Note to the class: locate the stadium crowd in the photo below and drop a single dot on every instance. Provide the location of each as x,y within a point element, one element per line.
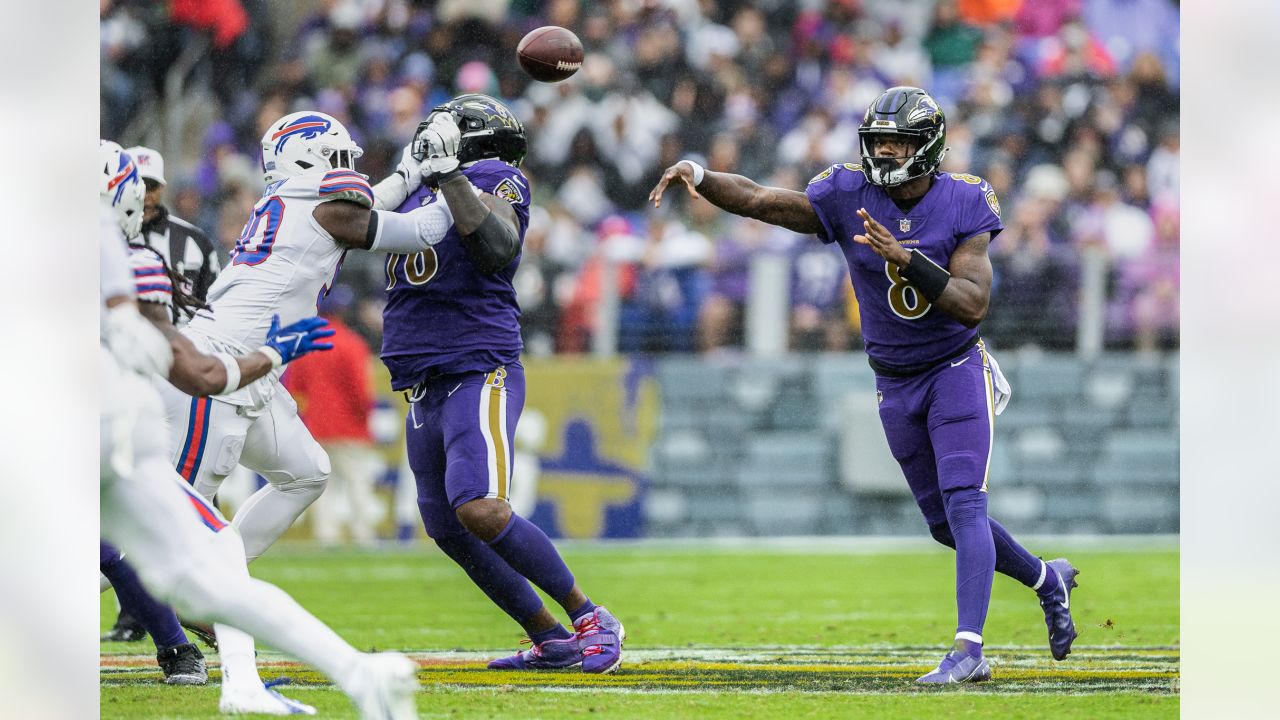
<point>1068,107</point>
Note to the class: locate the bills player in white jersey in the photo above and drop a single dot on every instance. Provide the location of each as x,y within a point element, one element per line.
<point>315,207</point>
<point>184,550</point>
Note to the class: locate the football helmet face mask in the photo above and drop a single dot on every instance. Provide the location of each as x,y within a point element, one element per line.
<point>306,142</point>
<point>120,187</point>
<point>908,113</point>
<point>489,130</point>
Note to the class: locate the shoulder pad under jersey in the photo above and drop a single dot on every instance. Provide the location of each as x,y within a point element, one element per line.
<point>333,185</point>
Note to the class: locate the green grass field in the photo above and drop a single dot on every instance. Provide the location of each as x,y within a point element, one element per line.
<point>811,631</point>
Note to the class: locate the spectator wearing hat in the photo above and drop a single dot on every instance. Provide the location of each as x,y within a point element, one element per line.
<point>186,249</point>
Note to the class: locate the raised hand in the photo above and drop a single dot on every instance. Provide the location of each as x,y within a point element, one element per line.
<point>438,144</point>
<point>681,172</point>
<point>408,167</point>
<point>298,339</point>
<point>881,240</point>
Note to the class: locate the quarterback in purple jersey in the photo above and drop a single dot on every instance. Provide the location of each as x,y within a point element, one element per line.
<point>452,340</point>
<point>915,240</point>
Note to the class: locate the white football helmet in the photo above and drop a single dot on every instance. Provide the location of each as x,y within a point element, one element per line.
<point>120,187</point>
<point>305,142</point>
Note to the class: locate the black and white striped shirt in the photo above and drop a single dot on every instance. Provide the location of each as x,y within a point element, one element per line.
<point>186,249</point>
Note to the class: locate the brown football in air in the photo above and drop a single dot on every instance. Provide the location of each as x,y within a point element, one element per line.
<point>550,53</point>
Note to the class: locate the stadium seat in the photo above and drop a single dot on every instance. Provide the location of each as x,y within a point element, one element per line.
<point>1038,446</point>
<point>1139,509</point>
<point>1050,377</point>
<point>1016,505</point>
<point>691,382</point>
<point>785,512</point>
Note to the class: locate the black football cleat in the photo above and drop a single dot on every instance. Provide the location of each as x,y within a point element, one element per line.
<point>126,629</point>
<point>183,665</point>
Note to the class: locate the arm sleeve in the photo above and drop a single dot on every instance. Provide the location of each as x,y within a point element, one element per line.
<point>411,232</point>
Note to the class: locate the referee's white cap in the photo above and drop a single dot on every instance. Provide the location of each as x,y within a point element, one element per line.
<point>150,163</point>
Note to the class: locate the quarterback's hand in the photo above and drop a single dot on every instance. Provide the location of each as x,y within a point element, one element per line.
<point>293,341</point>
<point>439,142</point>
<point>680,173</point>
<point>881,240</point>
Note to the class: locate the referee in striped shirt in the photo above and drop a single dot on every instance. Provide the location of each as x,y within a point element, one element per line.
<point>186,249</point>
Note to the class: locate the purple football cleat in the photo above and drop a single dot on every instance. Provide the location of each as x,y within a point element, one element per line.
<point>958,667</point>
<point>600,637</point>
<point>550,655</point>
<point>1057,609</point>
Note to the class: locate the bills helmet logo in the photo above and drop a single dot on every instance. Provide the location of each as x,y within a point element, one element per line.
<point>308,126</point>
<point>125,174</point>
<point>904,225</point>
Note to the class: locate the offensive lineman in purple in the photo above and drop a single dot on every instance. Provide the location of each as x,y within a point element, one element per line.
<point>452,337</point>
<point>915,240</point>
<point>437,289</point>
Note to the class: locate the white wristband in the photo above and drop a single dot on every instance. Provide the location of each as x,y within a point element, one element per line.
<point>699,172</point>
<point>273,355</point>
<point>233,372</point>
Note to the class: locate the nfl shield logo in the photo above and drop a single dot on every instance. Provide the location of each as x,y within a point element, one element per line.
<point>904,225</point>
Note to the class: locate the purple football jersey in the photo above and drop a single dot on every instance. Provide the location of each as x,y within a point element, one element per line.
<point>900,327</point>
<point>443,315</point>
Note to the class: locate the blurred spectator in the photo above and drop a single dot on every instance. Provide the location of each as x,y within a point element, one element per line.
<point>334,392</point>
<point>670,288</point>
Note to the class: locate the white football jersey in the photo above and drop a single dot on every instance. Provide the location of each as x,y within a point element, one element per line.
<point>282,264</point>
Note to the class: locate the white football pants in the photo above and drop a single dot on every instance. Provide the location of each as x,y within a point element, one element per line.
<point>165,529</point>
<point>210,437</point>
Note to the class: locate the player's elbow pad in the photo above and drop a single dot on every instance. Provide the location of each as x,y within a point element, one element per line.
<point>493,245</point>
<point>410,232</point>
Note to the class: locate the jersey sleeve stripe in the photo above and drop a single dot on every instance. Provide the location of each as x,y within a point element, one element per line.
<point>340,187</point>
<point>149,271</point>
<point>163,289</point>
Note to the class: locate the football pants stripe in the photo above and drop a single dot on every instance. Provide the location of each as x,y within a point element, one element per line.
<point>989,381</point>
<point>197,437</point>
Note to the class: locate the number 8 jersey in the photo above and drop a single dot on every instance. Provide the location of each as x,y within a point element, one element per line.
<point>282,264</point>
<point>897,323</point>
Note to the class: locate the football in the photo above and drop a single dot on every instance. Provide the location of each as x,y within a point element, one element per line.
<point>550,53</point>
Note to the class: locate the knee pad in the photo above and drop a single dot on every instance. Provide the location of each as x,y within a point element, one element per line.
<point>313,481</point>
<point>963,469</point>
<point>965,506</point>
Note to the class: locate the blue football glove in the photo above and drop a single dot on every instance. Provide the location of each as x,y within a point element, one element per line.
<point>293,341</point>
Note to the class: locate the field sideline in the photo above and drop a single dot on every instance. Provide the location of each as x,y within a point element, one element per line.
<point>809,628</point>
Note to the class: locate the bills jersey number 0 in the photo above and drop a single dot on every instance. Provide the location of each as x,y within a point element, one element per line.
<point>259,234</point>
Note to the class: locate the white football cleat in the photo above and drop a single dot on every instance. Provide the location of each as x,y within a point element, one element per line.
<point>261,700</point>
<point>383,687</point>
